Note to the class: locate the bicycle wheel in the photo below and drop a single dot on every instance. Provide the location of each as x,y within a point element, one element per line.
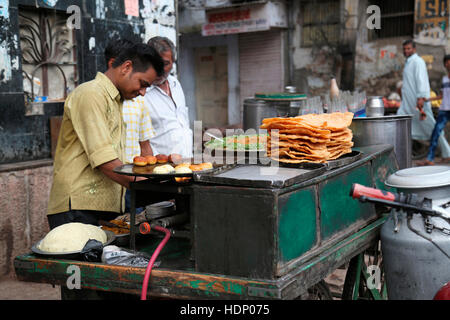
<point>319,291</point>
<point>364,279</point>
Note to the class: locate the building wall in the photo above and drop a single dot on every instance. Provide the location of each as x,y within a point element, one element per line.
<point>188,43</point>
<point>378,64</point>
<point>25,143</point>
<point>313,65</point>
<point>23,202</point>
<point>25,138</point>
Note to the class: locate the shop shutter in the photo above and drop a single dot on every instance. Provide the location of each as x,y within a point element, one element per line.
<point>261,66</point>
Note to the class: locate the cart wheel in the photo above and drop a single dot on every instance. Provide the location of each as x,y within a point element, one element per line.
<point>365,277</point>
<point>319,291</point>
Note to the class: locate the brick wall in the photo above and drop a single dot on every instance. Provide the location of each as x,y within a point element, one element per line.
<point>23,207</point>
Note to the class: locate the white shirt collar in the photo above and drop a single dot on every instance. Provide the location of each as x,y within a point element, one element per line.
<point>172,83</point>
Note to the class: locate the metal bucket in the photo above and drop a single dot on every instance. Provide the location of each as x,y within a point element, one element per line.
<point>393,130</point>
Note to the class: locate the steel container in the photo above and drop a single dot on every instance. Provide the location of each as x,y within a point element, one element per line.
<point>375,107</point>
<point>393,130</point>
<point>255,111</point>
<point>415,267</point>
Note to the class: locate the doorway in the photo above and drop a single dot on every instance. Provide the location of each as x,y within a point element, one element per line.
<point>211,85</point>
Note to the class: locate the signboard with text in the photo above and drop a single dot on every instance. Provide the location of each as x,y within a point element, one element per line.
<point>431,22</point>
<point>241,19</point>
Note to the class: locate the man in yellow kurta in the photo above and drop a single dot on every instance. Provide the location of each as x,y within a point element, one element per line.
<point>91,142</point>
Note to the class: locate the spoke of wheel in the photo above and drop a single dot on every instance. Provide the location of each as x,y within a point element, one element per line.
<point>358,277</point>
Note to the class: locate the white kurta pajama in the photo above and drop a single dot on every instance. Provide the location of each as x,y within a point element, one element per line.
<point>416,85</point>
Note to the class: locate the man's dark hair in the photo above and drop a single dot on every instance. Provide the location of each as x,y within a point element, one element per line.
<point>446,58</point>
<point>162,44</point>
<point>142,56</point>
<point>114,48</point>
<point>409,41</point>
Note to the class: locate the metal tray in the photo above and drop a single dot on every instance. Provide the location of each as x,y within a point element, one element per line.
<point>332,164</point>
<point>110,237</point>
<point>261,176</point>
<point>344,160</point>
<point>147,171</point>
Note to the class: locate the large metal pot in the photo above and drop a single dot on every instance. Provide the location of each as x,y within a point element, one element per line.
<point>393,130</point>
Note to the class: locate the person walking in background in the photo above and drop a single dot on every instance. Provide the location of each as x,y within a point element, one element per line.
<point>443,115</point>
<point>415,98</point>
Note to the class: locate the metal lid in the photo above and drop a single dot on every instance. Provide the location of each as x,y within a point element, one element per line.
<point>280,96</point>
<point>420,177</point>
<point>254,102</point>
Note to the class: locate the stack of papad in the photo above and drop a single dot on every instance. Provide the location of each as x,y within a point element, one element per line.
<point>316,138</point>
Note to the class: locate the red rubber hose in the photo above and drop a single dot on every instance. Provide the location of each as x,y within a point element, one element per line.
<point>148,271</point>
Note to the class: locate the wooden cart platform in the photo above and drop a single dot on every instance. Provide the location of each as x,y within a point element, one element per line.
<point>184,283</point>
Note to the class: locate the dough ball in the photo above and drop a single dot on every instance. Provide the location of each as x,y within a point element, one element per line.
<point>71,237</point>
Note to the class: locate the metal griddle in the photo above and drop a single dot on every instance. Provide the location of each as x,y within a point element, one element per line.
<point>260,176</point>
<point>280,176</point>
<point>344,160</point>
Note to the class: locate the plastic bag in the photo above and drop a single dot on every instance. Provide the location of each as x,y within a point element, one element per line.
<point>122,257</point>
<point>92,251</point>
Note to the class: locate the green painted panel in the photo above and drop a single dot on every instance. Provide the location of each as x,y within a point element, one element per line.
<point>338,209</point>
<point>297,224</point>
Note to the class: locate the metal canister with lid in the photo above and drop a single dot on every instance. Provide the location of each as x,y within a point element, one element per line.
<point>415,247</point>
<point>375,107</point>
<point>271,105</point>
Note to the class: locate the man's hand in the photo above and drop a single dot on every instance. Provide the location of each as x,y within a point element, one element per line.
<point>420,104</point>
<point>107,169</point>
<point>146,149</point>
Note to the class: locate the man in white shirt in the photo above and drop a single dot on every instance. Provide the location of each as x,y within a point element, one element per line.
<point>167,107</point>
